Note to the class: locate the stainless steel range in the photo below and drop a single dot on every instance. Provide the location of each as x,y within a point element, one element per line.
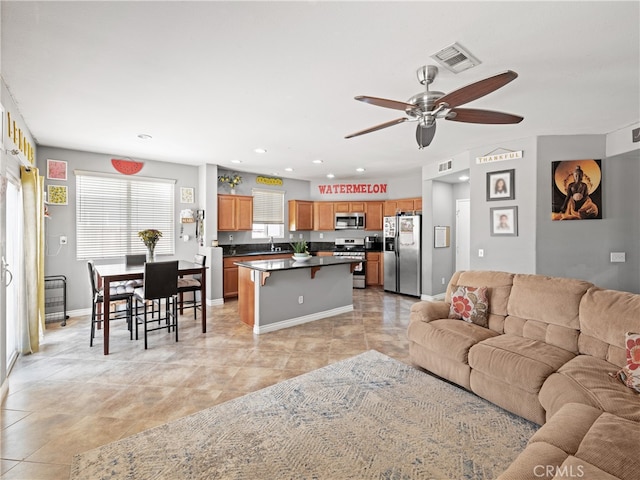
<point>353,248</point>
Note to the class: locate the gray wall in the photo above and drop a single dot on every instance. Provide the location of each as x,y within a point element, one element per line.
<point>61,259</point>
<point>581,249</point>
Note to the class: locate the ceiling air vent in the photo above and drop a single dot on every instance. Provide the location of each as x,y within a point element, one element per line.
<point>445,166</point>
<point>455,58</point>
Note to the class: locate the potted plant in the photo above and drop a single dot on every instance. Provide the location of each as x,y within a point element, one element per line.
<point>232,180</point>
<point>300,251</point>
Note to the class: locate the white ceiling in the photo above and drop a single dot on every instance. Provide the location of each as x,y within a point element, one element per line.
<point>211,81</point>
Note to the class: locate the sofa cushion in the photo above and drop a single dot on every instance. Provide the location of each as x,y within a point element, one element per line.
<point>448,338</point>
<point>551,300</point>
<point>605,317</point>
<point>521,362</point>
<point>579,442</point>
<point>588,380</point>
<point>470,304</point>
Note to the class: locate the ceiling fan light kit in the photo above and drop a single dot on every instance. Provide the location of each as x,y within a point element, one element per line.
<point>428,106</point>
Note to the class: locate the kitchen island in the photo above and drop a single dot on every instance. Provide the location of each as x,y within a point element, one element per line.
<point>280,293</point>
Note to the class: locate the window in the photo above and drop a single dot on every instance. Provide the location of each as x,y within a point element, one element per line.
<point>111,210</point>
<point>268,213</point>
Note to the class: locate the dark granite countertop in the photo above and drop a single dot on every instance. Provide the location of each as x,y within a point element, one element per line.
<point>290,264</point>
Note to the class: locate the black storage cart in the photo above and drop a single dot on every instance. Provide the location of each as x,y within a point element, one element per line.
<point>55,299</point>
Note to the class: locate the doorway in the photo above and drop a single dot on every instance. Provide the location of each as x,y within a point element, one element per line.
<point>463,234</point>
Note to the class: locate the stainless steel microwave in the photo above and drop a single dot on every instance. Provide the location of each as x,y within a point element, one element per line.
<point>349,221</point>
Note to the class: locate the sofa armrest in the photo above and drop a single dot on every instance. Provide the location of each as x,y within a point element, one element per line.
<point>429,311</point>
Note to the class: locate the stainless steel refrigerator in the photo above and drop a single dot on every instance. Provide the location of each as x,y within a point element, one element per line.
<point>402,254</point>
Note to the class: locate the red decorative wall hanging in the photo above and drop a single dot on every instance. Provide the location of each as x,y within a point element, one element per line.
<point>127,167</point>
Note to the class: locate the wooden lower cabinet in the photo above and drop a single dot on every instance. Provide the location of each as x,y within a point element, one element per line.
<point>230,271</point>
<point>374,274</point>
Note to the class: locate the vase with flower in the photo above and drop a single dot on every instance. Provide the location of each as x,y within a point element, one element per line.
<point>230,180</point>
<point>150,238</point>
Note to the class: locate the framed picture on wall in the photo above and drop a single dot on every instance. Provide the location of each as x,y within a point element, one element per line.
<point>576,190</point>
<point>57,194</point>
<point>56,170</point>
<point>504,222</point>
<point>186,195</point>
<point>501,185</point>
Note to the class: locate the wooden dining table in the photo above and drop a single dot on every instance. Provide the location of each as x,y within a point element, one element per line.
<point>119,272</point>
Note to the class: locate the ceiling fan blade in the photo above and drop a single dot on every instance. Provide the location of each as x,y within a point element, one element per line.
<point>476,90</point>
<point>472,115</point>
<point>379,127</point>
<point>383,102</point>
<point>424,135</point>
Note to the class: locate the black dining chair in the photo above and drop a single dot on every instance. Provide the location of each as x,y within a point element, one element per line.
<point>118,293</point>
<point>135,261</point>
<point>192,284</point>
<point>160,285</point>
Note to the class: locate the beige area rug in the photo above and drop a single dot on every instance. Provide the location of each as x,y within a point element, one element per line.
<point>366,417</point>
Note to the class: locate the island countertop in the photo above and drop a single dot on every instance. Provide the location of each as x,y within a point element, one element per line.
<point>291,264</point>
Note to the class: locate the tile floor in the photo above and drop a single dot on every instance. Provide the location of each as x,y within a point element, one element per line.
<point>69,398</point>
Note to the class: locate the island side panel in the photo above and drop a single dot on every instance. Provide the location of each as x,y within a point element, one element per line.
<point>277,300</point>
<point>246,295</point>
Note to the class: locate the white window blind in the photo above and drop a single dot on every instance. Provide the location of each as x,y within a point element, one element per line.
<point>111,210</point>
<point>268,206</point>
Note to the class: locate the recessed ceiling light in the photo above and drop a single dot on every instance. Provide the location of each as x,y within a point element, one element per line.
<point>359,169</point>
<point>144,136</point>
<point>330,175</point>
<point>463,178</point>
<point>260,150</point>
<point>317,161</point>
<point>288,169</point>
<point>236,161</point>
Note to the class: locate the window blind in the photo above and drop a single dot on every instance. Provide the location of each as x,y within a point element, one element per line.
<point>111,210</point>
<point>268,206</point>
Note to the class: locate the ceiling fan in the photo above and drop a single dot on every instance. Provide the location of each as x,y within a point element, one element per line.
<point>428,106</point>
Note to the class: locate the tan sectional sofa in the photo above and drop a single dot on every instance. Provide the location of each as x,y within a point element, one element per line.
<point>546,355</point>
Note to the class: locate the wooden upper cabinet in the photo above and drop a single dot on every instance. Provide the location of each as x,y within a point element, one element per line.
<point>235,212</point>
<point>374,215</point>
<point>300,215</point>
<point>323,216</point>
<point>392,207</point>
<point>349,207</point>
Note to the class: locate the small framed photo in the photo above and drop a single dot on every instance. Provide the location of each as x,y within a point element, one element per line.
<point>501,185</point>
<point>504,222</point>
<point>57,194</point>
<point>186,195</point>
<point>56,170</point>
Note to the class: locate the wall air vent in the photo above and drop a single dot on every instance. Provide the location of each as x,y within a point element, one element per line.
<point>445,166</point>
<point>455,58</point>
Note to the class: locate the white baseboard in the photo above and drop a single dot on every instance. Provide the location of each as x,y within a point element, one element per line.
<point>257,329</point>
<point>212,302</point>
<point>433,298</point>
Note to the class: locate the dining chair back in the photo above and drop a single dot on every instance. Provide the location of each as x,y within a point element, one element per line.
<point>117,293</point>
<point>192,284</point>
<point>160,286</point>
<point>135,260</point>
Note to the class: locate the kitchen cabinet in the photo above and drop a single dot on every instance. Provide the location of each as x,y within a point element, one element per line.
<point>392,207</point>
<point>373,270</point>
<point>349,207</point>
<point>235,212</point>
<point>230,270</point>
<point>323,216</point>
<point>300,215</point>
<point>374,215</point>
<point>324,254</point>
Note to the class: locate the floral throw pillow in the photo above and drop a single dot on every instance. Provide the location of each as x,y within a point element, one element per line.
<point>470,304</point>
<point>630,374</point>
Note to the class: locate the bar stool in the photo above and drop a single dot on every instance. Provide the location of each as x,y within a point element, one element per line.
<point>192,284</point>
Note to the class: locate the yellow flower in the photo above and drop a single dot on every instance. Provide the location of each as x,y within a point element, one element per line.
<point>150,237</point>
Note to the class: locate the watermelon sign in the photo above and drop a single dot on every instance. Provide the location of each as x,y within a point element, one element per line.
<point>127,167</point>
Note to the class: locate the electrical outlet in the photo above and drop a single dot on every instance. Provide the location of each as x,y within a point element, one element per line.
<point>443,280</point>
<point>481,252</point>
<point>301,235</point>
<point>321,236</point>
<point>63,240</point>
<point>230,238</point>
<point>300,299</point>
<point>291,236</point>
